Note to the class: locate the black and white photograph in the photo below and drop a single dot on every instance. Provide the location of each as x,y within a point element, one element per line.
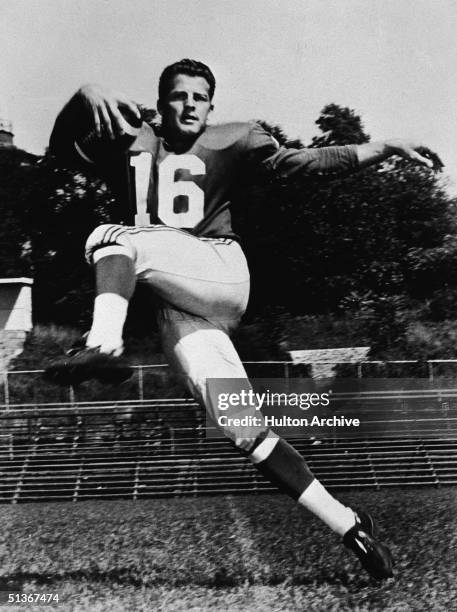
<point>228,305</point>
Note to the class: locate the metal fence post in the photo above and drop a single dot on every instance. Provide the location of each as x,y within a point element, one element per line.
<point>430,370</point>
<point>286,375</point>
<point>6,390</point>
<point>140,383</point>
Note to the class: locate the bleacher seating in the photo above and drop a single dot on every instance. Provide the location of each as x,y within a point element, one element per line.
<point>136,449</point>
<point>68,454</point>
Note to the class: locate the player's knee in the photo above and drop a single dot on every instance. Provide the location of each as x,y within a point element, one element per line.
<point>107,240</point>
<point>100,234</point>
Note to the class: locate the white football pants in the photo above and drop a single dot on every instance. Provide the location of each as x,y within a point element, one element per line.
<point>203,284</point>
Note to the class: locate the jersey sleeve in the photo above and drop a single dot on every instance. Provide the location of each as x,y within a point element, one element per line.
<point>263,149</point>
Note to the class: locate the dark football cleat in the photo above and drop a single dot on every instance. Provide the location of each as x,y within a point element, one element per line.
<point>374,556</point>
<point>80,364</point>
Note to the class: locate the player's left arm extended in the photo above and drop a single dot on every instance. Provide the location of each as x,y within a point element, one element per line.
<point>344,160</point>
<point>374,152</point>
<point>331,161</point>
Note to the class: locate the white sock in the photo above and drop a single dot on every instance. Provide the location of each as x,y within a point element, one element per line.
<point>318,500</point>
<point>110,312</point>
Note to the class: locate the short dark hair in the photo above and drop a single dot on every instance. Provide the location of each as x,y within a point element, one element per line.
<point>189,67</point>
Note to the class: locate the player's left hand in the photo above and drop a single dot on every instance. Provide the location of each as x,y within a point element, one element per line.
<point>417,153</point>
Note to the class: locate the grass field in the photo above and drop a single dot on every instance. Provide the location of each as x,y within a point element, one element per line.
<point>247,553</point>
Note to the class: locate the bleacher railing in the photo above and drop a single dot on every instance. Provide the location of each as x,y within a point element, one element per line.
<point>15,383</point>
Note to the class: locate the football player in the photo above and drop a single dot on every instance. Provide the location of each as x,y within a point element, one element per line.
<point>174,188</point>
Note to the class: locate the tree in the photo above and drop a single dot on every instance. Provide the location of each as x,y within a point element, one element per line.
<point>18,171</point>
<point>319,241</point>
<point>66,206</point>
<point>339,126</point>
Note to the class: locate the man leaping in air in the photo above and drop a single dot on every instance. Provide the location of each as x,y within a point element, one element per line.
<point>174,188</point>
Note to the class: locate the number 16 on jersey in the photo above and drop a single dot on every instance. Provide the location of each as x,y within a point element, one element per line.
<point>168,189</point>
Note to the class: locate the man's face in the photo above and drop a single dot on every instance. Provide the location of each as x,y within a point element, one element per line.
<point>186,106</point>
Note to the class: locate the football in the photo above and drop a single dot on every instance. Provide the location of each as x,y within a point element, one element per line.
<point>94,148</point>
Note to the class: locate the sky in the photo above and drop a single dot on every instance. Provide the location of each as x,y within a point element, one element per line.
<point>394,62</point>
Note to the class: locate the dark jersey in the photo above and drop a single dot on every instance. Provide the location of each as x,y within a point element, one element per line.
<point>194,190</point>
